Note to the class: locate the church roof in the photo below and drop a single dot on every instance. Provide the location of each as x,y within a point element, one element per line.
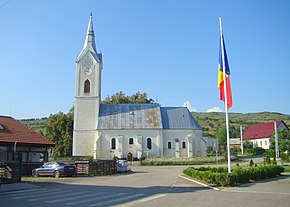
<point>129,116</point>
<point>178,118</point>
<point>145,116</point>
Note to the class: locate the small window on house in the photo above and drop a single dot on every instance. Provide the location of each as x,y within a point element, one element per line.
<point>113,143</point>
<point>169,145</point>
<point>149,143</point>
<point>261,143</point>
<point>183,145</point>
<point>131,141</point>
<point>87,86</point>
<point>266,142</point>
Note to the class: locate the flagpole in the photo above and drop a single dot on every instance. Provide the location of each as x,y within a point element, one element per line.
<point>226,98</point>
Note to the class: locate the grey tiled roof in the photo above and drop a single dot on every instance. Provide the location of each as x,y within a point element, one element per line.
<point>145,116</point>
<point>130,116</point>
<point>178,118</point>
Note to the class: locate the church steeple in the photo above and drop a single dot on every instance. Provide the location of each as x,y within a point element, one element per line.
<point>90,36</point>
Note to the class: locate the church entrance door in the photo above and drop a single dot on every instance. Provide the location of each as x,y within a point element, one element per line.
<point>129,156</point>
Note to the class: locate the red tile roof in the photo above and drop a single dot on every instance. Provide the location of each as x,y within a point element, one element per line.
<point>263,130</point>
<point>14,131</point>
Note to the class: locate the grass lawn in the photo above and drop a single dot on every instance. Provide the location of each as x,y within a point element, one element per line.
<point>286,168</point>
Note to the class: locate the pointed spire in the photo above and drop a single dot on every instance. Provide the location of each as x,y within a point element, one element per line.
<point>90,36</point>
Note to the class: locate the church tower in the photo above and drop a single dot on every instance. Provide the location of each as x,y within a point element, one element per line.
<point>87,95</point>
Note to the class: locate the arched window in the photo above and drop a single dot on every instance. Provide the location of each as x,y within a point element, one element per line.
<point>169,145</point>
<point>183,145</point>
<point>131,141</point>
<point>87,86</point>
<point>113,143</point>
<point>149,143</point>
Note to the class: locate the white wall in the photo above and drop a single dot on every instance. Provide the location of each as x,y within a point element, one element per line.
<point>108,153</point>
<point>261,142</point>
<point>183,136</point>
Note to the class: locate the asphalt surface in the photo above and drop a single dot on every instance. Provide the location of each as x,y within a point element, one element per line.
<point>146,186</point>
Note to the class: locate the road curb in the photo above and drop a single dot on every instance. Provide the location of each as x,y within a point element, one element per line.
<point>197,182</point>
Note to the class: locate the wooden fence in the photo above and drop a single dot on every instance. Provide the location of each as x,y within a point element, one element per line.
<point>94,167</point>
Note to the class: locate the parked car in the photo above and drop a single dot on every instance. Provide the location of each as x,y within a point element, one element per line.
<point>55,169</point>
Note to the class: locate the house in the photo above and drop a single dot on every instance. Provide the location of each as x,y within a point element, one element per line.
<point>126,131</point>
<point>259,134</point>
<point>18,142</point>
<point>235,143</point>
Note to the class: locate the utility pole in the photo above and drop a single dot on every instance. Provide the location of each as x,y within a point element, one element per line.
<point>242,145</point>
<point>276,140</point>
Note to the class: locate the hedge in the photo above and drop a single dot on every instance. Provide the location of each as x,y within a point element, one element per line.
<point>220,176</point>
<point>181,161</point>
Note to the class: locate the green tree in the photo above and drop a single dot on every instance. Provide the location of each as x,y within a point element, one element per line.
<point>59,129</point>
<point>122,98</point>
<point>221,135</point>
<point>284,141</point>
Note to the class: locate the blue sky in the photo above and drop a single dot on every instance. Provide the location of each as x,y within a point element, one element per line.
<point>166,48</point>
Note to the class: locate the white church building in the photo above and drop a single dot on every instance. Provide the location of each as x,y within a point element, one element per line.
<point>128,131</point>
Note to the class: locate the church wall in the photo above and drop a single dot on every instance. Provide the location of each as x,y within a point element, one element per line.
<point>85,115</point>
<point>122,143</point>
<point>182,135</point>
<point>199,148</point>
<point>83,143</point>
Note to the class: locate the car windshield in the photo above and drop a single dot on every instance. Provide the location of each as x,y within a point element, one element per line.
<point>62,163</point>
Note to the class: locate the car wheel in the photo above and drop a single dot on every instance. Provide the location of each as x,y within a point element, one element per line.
<point>56,174</point>
<point>35,173</point>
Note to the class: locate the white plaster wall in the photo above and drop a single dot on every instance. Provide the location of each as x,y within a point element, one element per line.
<point>182,135</point>
<point>86,113</point>
<point>107,135</point>
<point>261,142</point>
<point>84,143</point>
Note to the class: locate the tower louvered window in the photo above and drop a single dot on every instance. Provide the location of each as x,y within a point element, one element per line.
<point>87,86</point>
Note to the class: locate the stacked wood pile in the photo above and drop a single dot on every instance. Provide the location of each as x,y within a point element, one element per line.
<point>10,172</point>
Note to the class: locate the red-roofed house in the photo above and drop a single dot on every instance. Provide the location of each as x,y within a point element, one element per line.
<point>259,134</point>
<point>16,137</point>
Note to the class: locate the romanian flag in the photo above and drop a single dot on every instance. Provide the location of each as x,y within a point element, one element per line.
<point>221,69</point>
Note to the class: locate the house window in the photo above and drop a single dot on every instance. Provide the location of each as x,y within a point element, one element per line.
<point>169,145</point>
<point>113,143</point>
<point>149,143</point>
<point>87,86</point>
<point>261,143</point>
<point>266,142</point>
<point>131,141</point>
<point>183,145</point>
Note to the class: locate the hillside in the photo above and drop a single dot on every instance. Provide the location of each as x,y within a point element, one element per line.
<point>210,122</point>
<point>36,124</point>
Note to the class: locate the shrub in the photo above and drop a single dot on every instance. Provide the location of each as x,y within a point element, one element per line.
<point>258,151</point>
<point>284,157</point>
<point>219,176</point>
<point>251,163</point>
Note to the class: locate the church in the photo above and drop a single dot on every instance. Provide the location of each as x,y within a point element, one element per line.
<point>126,131</point>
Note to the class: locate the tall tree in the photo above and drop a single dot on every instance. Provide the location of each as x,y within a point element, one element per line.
<point>59,129</point>
<point>284,141</point>
<point>122,98</point>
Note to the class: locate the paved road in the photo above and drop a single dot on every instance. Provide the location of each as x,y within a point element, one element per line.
<point>147,186</point>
